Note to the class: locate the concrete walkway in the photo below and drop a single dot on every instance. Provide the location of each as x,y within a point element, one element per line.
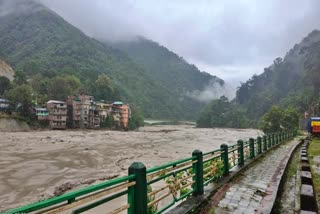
<point>255,190</point>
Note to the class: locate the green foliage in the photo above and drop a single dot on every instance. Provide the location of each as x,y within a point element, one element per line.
<point>136,120</point>
<point>20,77</point>
<point>21,96</point>
<point>4,85</point>
<point>218,164</point>
<point>171,180</point>
<point>103,89</point>
<point>60,87</point>
<point>154,208</point>
<point>173,74</point>
<point>222,113</point>
<point>108,122</point>
<point>278,119</point>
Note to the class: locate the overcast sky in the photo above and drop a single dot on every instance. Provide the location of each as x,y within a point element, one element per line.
<point>232,39</point>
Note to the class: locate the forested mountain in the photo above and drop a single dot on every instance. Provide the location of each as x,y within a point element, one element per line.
<point>164,66</point>
<point>36,40</point>
<point>293,81</point>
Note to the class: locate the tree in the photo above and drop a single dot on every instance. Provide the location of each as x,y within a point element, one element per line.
<point>4,84</point>
<point>61,87</point>
<point>103,89</point>
<point>278,119</point>
<point>136,120</point>
<point>270,121</point>
<point>21,97</point>
<point>31,68</point>
<point>108,122</point>
<point>20,77</point>
<point>290,119</point>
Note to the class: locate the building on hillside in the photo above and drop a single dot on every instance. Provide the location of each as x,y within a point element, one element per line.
<point>4,105</point>
<point>104,110</point>
<point>86,101</point>
<point>121,114</point>
<point>94,118</point>
<point>82,112</point>
<point>57,114</point>
<point>73,112</point>
<point>41,113</point>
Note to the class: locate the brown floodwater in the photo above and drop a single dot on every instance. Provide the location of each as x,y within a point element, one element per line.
<point>33,164</point>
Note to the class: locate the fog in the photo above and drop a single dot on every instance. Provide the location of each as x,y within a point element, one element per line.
<point>230,39</point>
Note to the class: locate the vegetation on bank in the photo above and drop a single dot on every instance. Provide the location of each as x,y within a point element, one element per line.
<point>292,84</point>
<point>26,93</point>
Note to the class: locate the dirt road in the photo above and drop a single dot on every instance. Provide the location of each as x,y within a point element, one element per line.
<point>33,164</point>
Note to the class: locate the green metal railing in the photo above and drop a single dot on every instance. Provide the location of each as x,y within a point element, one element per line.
<point>157,189</point>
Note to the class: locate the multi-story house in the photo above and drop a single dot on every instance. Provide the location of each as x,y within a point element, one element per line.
<point>104,110</point>
<point>94,118</point>
<point>73,112</point>
<point>82,112</point>
<point>121,114</point>
<point>41,113</point>
<point>57,114</point>
<point>86,101</point>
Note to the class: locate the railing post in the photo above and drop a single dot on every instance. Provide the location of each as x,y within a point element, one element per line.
<point>269,141</point>
<point>137,196</point>
<point>259,145</point>
<point>198,171</point>
<point>265,145</point>
<point>225,159</point>
<point>279,137</point>
<point>251,145</point>
<point>240,153</point>
<point>273,139</point>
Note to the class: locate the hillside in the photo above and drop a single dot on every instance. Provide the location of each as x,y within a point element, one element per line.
<point>165,66</point>
<point>293,81</point>
<point>6,70</point>
<point>38,36</point>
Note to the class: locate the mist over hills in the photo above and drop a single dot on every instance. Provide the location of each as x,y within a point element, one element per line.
<point>149,76</point>
<point>292,81</point>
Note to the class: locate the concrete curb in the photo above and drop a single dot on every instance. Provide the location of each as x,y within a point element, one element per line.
<point>307,194</point>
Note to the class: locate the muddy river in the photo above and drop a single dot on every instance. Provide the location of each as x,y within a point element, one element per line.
<point>35,165</point>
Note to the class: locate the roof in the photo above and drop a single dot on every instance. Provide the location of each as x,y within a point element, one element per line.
<point>4,101</point>
<point>40,109</point>
<point>56,101</point>
<point>315,118</point>
<point>118,103</point>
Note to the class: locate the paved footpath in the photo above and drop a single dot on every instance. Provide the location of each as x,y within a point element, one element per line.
<point>255,190</point>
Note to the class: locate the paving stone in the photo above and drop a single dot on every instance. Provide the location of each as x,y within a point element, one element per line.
<point>232,207</point>
<point>304,159</point>
<point>228,195</point>
<point>307,212</point>
<point>247,193</point>
<point>306,174</point>
<point>307,190</point>
<point>223,204</point>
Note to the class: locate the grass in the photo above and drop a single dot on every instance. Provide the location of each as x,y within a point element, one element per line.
<point>314,151</point>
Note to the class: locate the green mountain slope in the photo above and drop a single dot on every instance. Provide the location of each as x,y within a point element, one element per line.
<point>31,33</point>
<point>293,81</point>
<point>165,66</point>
